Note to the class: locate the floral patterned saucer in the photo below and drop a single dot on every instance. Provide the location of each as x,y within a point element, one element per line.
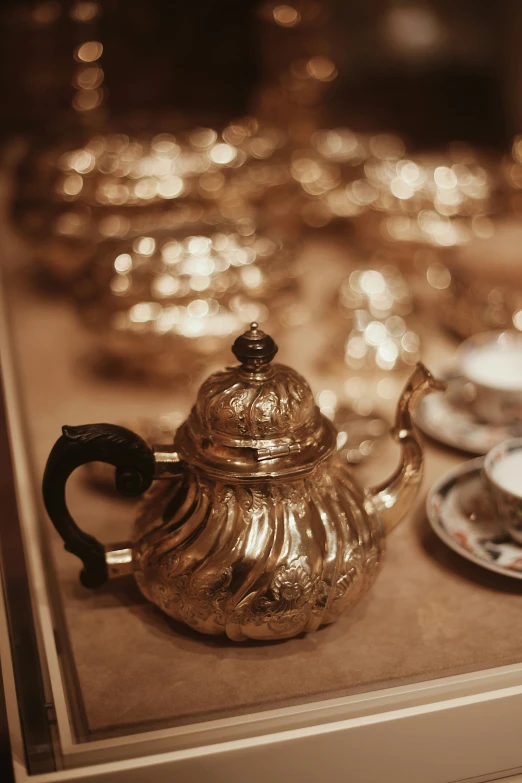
<point>446,417</point>
<point>462,515</point>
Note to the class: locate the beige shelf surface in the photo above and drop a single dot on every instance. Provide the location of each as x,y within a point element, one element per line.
<point>431,613</point>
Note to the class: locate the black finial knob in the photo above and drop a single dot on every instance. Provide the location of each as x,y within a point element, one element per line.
<point>254,348</point>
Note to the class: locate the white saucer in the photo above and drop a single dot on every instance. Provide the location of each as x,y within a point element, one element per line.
<point>462,515</point>
<point>445,418</point>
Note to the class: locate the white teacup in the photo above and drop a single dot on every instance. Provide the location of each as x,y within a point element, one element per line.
<point>491,366</point>
<point>502,475</point>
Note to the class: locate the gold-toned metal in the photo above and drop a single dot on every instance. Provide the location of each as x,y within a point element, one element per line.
<point>393,498</point>
<point>119,559</point>
<point>259,530</point>
<point>256,527</point>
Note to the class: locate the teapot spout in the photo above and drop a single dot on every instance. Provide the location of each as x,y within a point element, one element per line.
<point>393,498</point>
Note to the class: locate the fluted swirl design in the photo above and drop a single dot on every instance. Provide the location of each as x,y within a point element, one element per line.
<point>239,407</point>
<point>266,560</point>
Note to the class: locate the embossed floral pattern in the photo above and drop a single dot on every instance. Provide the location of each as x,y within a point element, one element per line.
<point>293,582</point>
<point>275,408</point>
<point>191,597</point>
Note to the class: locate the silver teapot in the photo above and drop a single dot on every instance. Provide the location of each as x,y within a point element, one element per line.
<point>254,527</point>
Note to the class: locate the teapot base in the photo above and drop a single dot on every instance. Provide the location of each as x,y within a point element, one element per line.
<point>262,562</point>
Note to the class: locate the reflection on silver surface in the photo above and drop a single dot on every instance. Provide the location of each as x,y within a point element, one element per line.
<point>331,172</point>
<point>88,74</point>
<point>116,186</point>
<point>117,170</point>
<point>167,299</point>
<point>442,200</point>
<point>376,303</point>
<point>359,435</point>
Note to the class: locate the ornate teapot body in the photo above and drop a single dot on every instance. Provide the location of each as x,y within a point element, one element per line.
<point>254,528</point>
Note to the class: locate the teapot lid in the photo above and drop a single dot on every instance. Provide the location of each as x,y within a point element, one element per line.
<point>257,419</point>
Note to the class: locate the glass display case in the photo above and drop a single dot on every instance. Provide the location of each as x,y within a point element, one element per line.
<point>422,681</point>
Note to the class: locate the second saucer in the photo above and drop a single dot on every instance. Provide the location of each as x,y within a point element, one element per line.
<point>447,418</point>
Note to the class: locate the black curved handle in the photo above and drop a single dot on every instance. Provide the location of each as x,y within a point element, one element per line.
<point>118,446</point>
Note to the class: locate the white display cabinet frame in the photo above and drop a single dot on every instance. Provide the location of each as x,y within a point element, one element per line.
<point>460,728</point>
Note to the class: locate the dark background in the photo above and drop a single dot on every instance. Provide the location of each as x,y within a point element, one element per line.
<point>435,71</point>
